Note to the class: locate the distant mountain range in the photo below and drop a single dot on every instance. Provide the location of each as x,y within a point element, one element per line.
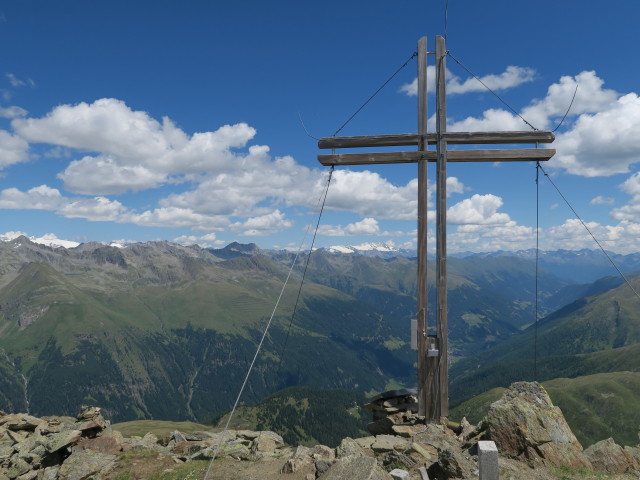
<point>575,266</point>
<point>156,330</point>
<point>159,330</point>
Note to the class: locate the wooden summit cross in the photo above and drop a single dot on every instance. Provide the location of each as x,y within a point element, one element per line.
<point>433,369</point>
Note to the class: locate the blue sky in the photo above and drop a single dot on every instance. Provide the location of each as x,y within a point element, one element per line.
<point>136,121</point>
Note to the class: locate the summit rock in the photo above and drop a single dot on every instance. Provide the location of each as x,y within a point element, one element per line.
<point>526,426</point>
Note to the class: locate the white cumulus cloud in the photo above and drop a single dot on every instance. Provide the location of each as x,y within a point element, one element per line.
<point>12,112</point>
<point>491,120</point>
<point>13,149</point>
<point>104,175</point>
<point>366,226</point>
<point>479,209</point>
<point>95,209</point>
<point>130,145</point>
<point>177,217</point>
<point>603,143</point>
<point>454,185</point>
<point>489,238</point>
<point>18,82</point>
<point>263,225</point>
<point>224,182</point>
<point>204,241</point>
<point>371,195</point>
<point>573,235</point>
<point>600,137</point>
<point>37,198</point>
<point>8,236</point>
<point>601,200</point>
<point>630,211</point>
<point>510,78</point>
<point>590,97</point>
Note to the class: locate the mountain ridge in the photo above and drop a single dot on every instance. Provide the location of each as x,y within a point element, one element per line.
<point>591,335</point>
<point>160,317</point>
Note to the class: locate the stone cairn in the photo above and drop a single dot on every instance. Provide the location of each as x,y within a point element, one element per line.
<point>392,402</point>
<point>86,447</point>
<point>393,408</point>
<point>55,447</point>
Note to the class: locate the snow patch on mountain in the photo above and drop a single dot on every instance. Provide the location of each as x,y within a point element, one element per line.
<point>51,240</point>
<point>48,239</point>
<point>384,249</point>
<point>364,247</point>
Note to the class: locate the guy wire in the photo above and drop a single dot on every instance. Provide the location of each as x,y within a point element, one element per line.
<point>568,109</point>
<point>415,54</point>
<point>490,90</point>
<point>446,19</point>
<point>590,233</point>
<point>306,265</point>
<point>244,383</point>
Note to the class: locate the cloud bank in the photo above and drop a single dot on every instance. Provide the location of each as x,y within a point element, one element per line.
<point>216,180</point>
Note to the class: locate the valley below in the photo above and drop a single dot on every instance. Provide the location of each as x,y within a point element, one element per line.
<point>165,332</point>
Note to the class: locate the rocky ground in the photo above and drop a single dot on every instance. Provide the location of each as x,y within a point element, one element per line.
<point>532,436</point>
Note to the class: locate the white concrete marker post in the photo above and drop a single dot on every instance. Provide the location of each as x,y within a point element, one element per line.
<point>399,474</point>
<point>488,460</point>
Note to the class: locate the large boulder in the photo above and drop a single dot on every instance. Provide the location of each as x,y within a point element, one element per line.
<point>453,464</point>
<point>526,426</point>
<point>386,443</point>
<point>312,461</point>
<point>355,468</point>
<point>20,421</point>
<point>109,442</point>
<point>84,464</point>
<point>437,436</point>
<point>349,447</point>
<point>608,456</point>
<point>300,460</point>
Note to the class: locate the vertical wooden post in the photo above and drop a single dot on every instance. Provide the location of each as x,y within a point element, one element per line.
<point>422,229</point>
<point>441,227</point>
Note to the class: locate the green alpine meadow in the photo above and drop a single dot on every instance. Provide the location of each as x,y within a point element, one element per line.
<point>158,331</point>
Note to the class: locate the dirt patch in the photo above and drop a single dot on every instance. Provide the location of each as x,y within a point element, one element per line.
<point>148,465</point>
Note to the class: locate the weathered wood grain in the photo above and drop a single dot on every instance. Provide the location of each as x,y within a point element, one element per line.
<point>452,138</point>
<point>497,155</point>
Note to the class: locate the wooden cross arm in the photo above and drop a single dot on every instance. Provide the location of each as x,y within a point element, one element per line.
<point>453,138</point>
<point>505,155</point>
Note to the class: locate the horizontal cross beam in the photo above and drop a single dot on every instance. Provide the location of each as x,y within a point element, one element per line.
<point>453,138</point>
<point>505,155</point>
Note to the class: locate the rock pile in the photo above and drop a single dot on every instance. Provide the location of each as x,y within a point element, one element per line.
<point>376,456</point>
<point>532,437</point>
<point>55,447</point>
<point>66,448</point>
<point>390,408</point>
<point>238,444</point>
<point>392,402</point>
<point>395,408</point>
